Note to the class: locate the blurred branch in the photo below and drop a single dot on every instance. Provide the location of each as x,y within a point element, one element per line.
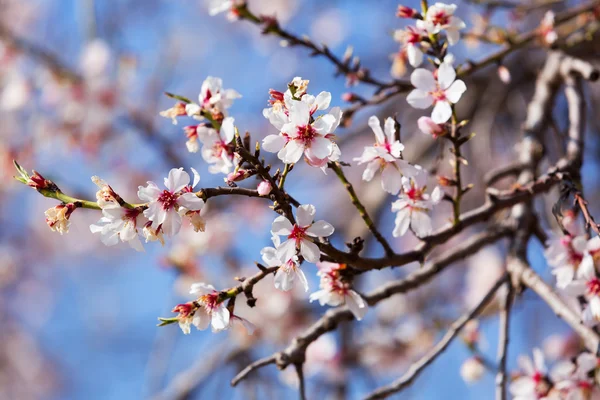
<point>419,366</point>
<point>295,352</point>
<point>503,339</point>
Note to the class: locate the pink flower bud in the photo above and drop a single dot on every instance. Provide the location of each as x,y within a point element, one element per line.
<point>238,175</point>
<point>37,181</point>
<point>406,12</point>
<point>264,188</point>
<point>349,97</point>
<point>427,126</point>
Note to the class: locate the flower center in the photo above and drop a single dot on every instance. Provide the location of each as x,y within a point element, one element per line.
<point>415,193</point>
<point>131,215</point>
<point>440,18</point>
<point>167,199</point>
<point>306,134</point>
<point>209,301</point>
<point>438,95</point>
<point>298,233</point>
<point>593,286</point>
<point>219,148</point>
<point>207,97</point>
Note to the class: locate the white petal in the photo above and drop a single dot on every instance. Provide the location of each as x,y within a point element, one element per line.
<point>286,250</point>
<point>302,278</point>
<point>171,223</point>
<point>220,318</point>
<point>415,55</point>
<point>356,304</point>
<point>310,251</point>
<point>323,100</point>
<point>273,143</point>
<point>269,256</point>
<point>281,226</point>
<point>391,179</point>
<point>402,222</point>
<point>284,279</point>
<point>190,201</point>
<point>305,215</point>
<point>455,91</point>
<point>292,152</point>
<point>376,127</point>
<point>446,75</point>
<point>299,113</point>
<point>419,99</point>
<point>227,131</point>
<point>149,193</point>
<point>196,177</point>
<point>177,179</point>
<point>320,147</point>
<point>320,228</point>
<point>420,223</point>
<point>370,171</point>
<point>201,320</point>
<point>324,125</point>
<point>423,79</point>
<point>201,288</point>
<point>390,130</point>
<point>441,112</point>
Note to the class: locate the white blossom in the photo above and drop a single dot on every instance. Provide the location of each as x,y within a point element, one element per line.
<point>385,155</point>
<point>414,204</point>
<point>440,17</point>
<point>119,223</point>
<point>587,284</point>
<point>534,383</point>
<point>212,312</point>
<point>334,291</point>
<point>299,136</point>
<point>217,148</point>
<point>564,254</point>
<point>472,370</point>
<point>441,92</point>
<point>411,38</point>
<point>298,234</point>
<point>288,269</point>
<point>166,206</point>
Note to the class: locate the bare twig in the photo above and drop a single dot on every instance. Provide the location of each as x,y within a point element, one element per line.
<point>250,368</point>
<point>503,339</point>
<point>361,209</point>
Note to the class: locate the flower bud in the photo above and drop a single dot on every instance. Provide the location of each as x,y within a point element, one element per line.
<point>406,12</point>
<point>238,175</point>
<point>472,370</point>
<point>37,181</point>
<point>264,188</point>
<point>177,110</point>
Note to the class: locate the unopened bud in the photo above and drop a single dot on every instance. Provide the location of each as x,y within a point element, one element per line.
<point>264,188</point>
<point>406,12</point>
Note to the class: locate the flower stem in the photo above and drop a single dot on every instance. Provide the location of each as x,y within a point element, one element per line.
<point>361,208</point>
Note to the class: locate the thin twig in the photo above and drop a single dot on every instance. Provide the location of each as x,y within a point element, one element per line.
<point>361,209</point>
<point>250,368</point>
<point>503,339</point>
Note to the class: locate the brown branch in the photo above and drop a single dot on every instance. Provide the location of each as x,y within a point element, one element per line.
<point>419,366</point>
<point>254,366</point>
<point>295,352</point>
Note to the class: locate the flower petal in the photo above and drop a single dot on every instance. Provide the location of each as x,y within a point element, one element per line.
<point>441,112</point>
<point>281,226</point>
<point>320,228</point>
<point>455,91</point>
<point>446,75</point>
<point>177,180</point>
<point>310,251</point>
<point>375,125</point>
<point>419,99</point>
<point>423,79</point>
<point>305,215</point>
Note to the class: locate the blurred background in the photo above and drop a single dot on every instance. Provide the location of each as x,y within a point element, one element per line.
<point>81,85</point>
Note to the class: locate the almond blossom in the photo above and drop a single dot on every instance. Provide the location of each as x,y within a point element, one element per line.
<point>217,148</point>
<point>587,284</point>
<point>411,39</point>
<point>288,269</point>
<point>572,379</point>
<point>212,98</point>
<point>212,311</point>
<point>414,204</point>
<point>336,292</point>
<point>119,223</point>
<point>534,383</point>
<point>298,234</point>
<point>301,134</point>
<point>564,254</point>
<point>166,206</point>
<point>440,17</point>
<point>441,91</point>
<point>384,155</point>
